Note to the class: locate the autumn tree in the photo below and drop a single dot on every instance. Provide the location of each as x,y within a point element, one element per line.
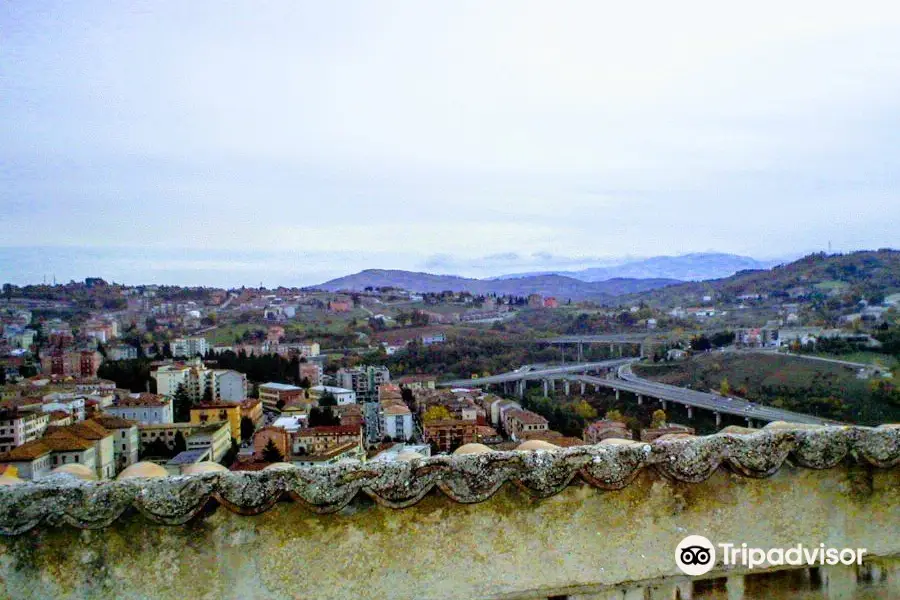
<point>614,415</point>
<point>658,419</point>
<point>247,428</point>
<point>584,410</point>
<point>725,387</point>
<point>436,413</point>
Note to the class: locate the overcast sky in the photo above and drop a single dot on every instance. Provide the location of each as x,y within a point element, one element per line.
<point>429,134</point>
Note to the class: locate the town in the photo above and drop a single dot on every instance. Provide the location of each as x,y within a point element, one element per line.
<point>103,380</point>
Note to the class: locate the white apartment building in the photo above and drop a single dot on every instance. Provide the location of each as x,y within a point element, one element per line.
<point>224,384</point>
<point>19,427</point>
<point>342,395</point>
<point>71,403</point>
<point>397,422</point>
<point>188,347</point>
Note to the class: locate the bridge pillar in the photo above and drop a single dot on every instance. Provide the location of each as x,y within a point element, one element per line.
<point>582,388</point>
<point>640,399</point>
<point>617,394</point>
<point>566,386</point>
<point>718,419</point>
<point>546,390</point>
<point>663,403</point>
<point>839,581</point>
<point>520,388</point>
<point>690,410</point>
<point>749,422</point>
<point>580,352</point>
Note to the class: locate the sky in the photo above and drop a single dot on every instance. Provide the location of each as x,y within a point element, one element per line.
<point>227,143</point>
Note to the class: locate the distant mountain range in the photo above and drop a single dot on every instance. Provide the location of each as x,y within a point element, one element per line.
<point>561,287</point>
<point>597,283</point>
<point>687,267</point>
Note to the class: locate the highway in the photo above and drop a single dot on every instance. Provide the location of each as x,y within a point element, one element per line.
<point>629,382</point>
<point>550,373</point>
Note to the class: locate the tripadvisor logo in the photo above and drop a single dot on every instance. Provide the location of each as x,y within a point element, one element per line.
<point>695,555</point>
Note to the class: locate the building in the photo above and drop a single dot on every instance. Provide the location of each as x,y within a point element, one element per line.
<point>101,439</point>
<point>219,412</point>
<point>20,427</point>
<point>340,306</point>
<point>121,352</point>
<point>32,460</point>
<point>364,380</point>
<point>650,434</point>
<point>307,349</point>
<point>73,403</point>
<point>278,435</point>
<point>449,434</point>
<point>200,382</point>
<point>80,363</point>
<point>535,301</point>
<point>393,454</point>
<point>397,422</point>
<point>145,408</point>
<point>317,440</point>
<point>126,439</point>
<point>311,371</point>
<point>350,414</point>
<point>604,429</point>
<point>251,408</point>
<point>186,458</point>
<point>435,338</point>
<point>188,347</point>
<point>277,395</point>
<point>341,395</point>
<point>215,437</point>
<point>519,422</point>
<point>551,302</point>
<point>350,451</point>
<point>418,382</point>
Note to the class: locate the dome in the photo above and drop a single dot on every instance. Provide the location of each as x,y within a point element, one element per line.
<point>76,470</point>
<point>278,466</point>
<point>409,455</point>
<point>472,449</point>
<point>738,430</point>
<point>786,425</point>
<point>9,480</point>
<point>206,466</point>
<point>143,469</point>
<point>617,442</point>
<point>537,445</point>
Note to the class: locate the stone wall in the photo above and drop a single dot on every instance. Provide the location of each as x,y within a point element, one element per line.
<point>581,521</point>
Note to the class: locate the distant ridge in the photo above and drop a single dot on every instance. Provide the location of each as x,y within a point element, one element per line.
<point>547,285</point>
<point>697,266</point>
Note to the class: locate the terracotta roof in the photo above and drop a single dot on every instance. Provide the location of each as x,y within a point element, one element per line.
<point>396,409</point>
<point>210,405</point>
<point>526,417</point>
<point>144,399</point>
<point>113,422</point>
<point>64,441</point>
<point>89,430</point>
<point>27,451</point>
<point>416,378</point>
<point>250,403</point>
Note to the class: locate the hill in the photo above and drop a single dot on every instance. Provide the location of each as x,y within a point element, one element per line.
<point>687,267</point>
<point>864,274</point>
<point>546,285</point>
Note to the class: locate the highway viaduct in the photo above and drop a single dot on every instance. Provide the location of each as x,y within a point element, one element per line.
<point>617,375</point>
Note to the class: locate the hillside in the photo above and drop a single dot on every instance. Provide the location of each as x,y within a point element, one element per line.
<point>687,267</point>
<point>865,274</point>
<point>546,285</point>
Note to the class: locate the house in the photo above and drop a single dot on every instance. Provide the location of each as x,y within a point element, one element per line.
<point>188,347</point>
<point>32,460</point>
<point>350,414</point>
<point>605,429</point>
<point>364,380</point>
<point>435,338</point>
<point>145,408</point>
<point>277,435</point>
<point>219,412</point>
<point>200,382</point>
<point>519,421</point>
<point>349,451</point>
<point>650,434</point>
<point>316,440</point>
<point>341,395</point>
<point>215,436</point>
<point>449,434</point>
<point>276,395</point>
<point>535,301</point>
<point>551,302</point>
<point>83,363</point>
<point>396,421</point>
<point>340,306</point>
<point>251,408</point>
<point>418,382</point>
<point>178,463</point>
<point>101,439</point>
<point>126,439</point>
<point>400,451</point>
<point>311,371</point>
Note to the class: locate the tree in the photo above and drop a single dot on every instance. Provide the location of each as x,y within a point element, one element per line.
<point>271,453</point>
<point>700,343</point>
<point>584,410</point>
<point>179,442</point>
<point>207,394</point>
<point>232,453</point>
<point>181,404</point>
<point>247,428</point>
<point>327,399</point>
<point>322,417</point>
<point>658,419</point>
<point>614,415</point>
<point>436,413</point>
<point>725,387</point>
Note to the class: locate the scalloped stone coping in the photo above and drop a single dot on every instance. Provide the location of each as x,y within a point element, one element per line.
<point>468,478</point>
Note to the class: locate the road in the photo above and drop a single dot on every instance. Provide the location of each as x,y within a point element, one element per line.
<point>627,381</point>
<point>836,361</point>
<point>536,373</point>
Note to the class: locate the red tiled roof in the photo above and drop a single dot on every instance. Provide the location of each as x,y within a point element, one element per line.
<point>330,430</point>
